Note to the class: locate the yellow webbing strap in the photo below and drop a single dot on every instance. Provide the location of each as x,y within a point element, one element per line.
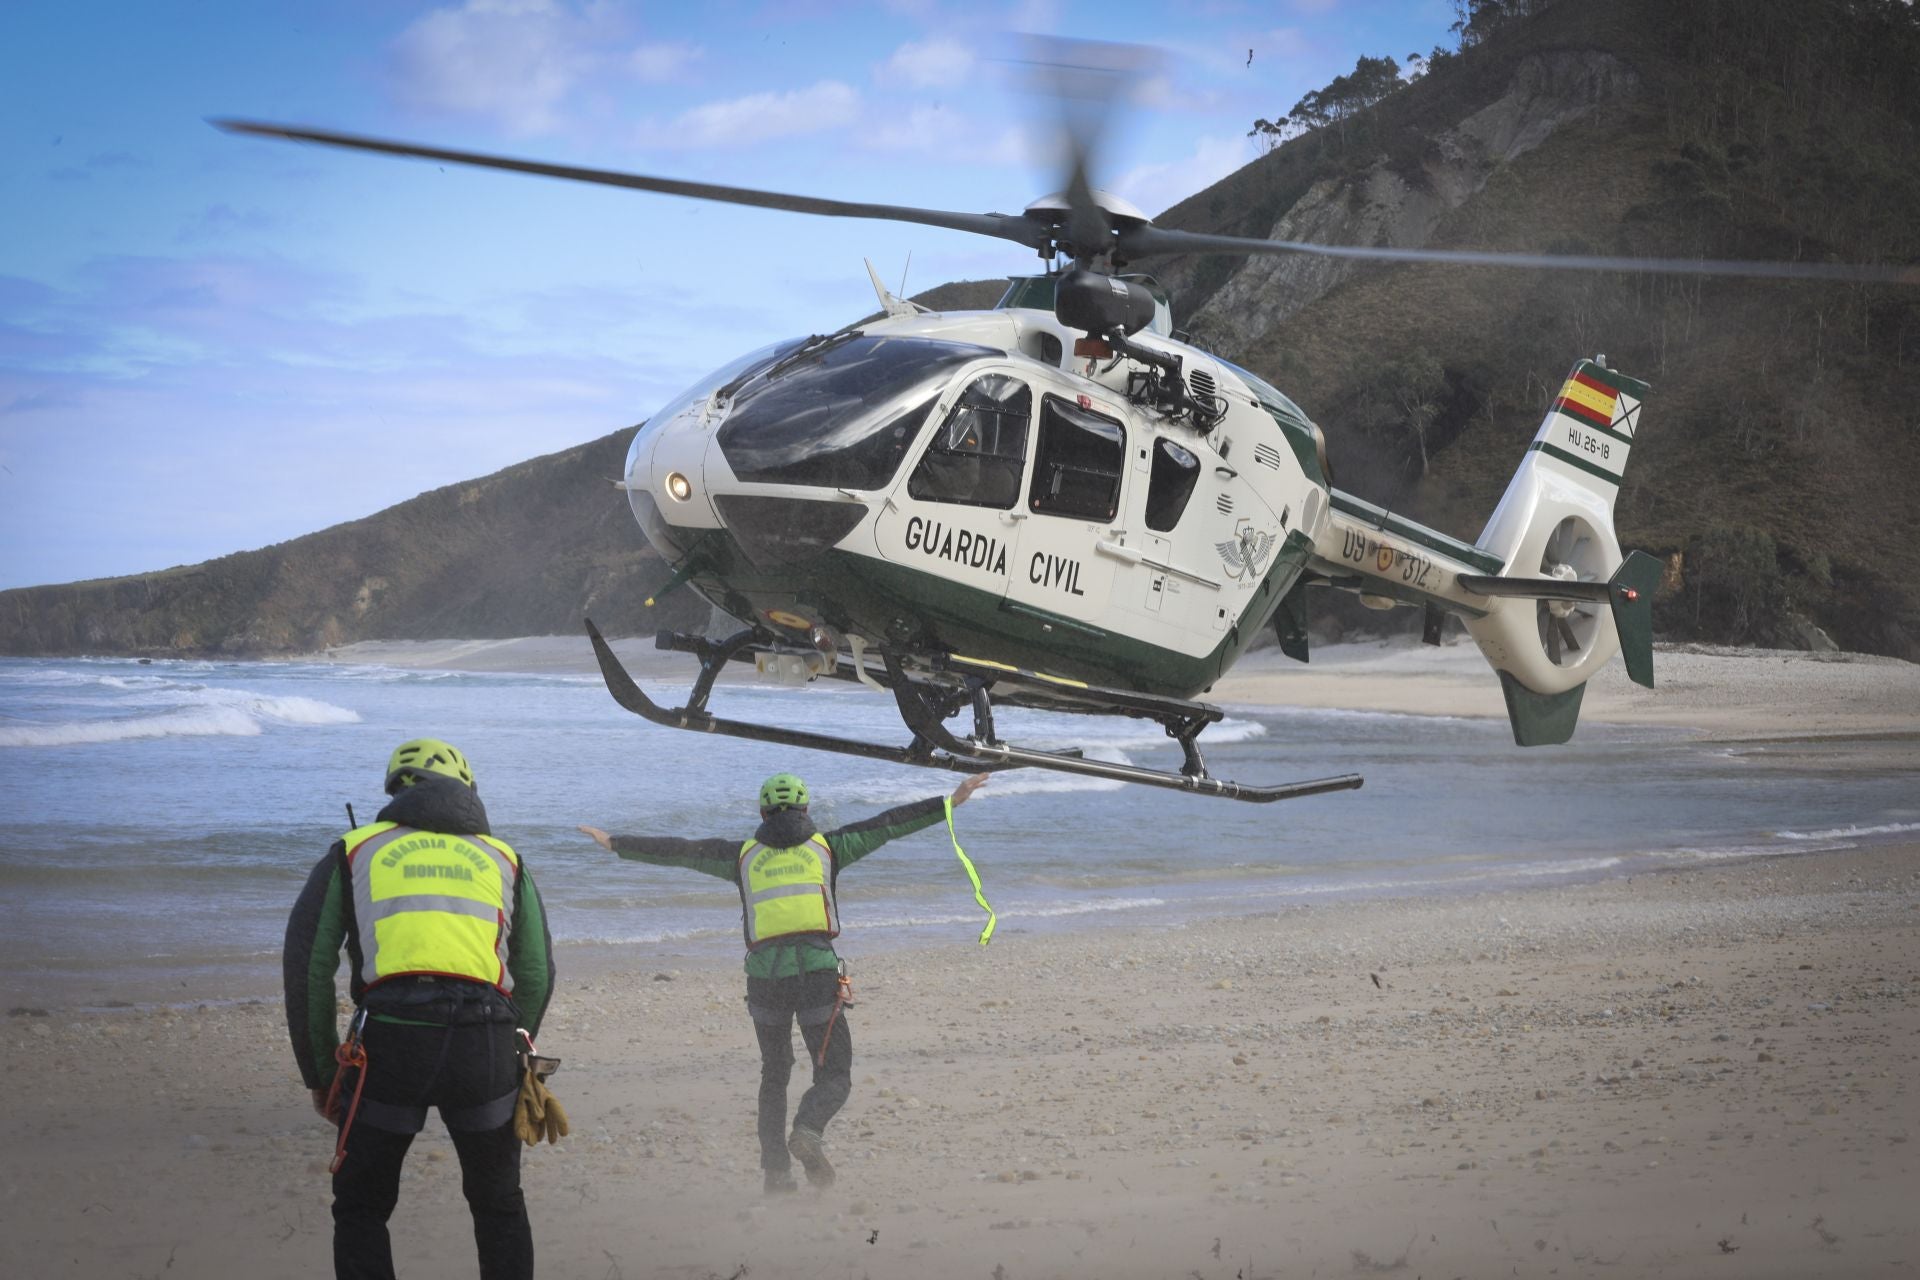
<point>979,895</point>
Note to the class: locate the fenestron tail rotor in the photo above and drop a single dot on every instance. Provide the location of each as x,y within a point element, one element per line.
<point>1570,555</point>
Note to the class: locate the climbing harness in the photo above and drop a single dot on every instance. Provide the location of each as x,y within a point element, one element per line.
<point>979,895</point>
<point>842,997</point>
<point>530,1060</point>
<point>350,1056</point>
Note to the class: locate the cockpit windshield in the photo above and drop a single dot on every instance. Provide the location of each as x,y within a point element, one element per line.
<point>840,414</point>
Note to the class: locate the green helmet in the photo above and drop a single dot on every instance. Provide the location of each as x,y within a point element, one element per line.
<point>413,760</point>
<point>783,791</point>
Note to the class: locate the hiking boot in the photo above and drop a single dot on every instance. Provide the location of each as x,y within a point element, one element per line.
<point>810,1149</point>
<point>780,1182</point>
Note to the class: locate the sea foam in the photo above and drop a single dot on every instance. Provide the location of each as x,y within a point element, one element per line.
<point>198,713</point>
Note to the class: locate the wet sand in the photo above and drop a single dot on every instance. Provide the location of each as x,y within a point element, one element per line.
<point>1695,1073</point>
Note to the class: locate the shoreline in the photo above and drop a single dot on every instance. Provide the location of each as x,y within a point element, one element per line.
<point>1719,692</point>
<point>1634,1076</point>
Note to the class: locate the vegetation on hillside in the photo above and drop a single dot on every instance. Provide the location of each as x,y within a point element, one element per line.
<point>1783,414</point>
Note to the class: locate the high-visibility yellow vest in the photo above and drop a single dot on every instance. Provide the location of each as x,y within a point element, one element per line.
<point>787,891</point>
<point>427,902</point>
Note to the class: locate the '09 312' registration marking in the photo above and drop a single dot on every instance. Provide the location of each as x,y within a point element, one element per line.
<point>1415,569</point>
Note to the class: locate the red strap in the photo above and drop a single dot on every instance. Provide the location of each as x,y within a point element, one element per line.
<point>351,1056</point>
<point>844,996</point>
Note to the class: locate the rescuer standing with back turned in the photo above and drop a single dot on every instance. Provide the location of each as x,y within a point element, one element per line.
<point>787,875</point>
<point>450,953</point>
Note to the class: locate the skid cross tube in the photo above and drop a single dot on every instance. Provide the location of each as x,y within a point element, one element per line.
<point>694,716</point>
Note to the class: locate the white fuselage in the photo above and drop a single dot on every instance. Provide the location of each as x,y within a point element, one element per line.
<point>1123,543</point>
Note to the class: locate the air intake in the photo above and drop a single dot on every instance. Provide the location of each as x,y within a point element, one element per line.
<point>1267,456</point>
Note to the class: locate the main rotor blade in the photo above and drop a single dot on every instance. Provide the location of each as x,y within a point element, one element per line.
<point>1015,227</point>
<point>1087,82</point>
<point>1135,243</point>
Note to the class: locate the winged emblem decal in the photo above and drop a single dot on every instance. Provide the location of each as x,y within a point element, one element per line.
<point>1244,553</point>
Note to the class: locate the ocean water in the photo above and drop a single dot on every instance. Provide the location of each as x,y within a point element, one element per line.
<point>161,818</point>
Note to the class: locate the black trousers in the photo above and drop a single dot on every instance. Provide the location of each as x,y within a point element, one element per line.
<point>776,1004</point>
<point>465,1071</point>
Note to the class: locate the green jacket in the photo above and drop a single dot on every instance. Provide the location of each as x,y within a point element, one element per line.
<point>322,923</point>
<point>721,859</point>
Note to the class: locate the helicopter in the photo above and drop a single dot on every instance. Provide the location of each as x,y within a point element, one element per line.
<point>1060,504</point>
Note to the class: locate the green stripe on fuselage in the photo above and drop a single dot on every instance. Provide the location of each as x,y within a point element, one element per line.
<point>893,604</point>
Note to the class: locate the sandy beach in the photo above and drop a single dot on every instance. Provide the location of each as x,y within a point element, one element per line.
<point>1699,1072</point>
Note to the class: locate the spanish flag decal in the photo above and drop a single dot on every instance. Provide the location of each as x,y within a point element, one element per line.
<point>1590,424</point>
<point>1586,399</point>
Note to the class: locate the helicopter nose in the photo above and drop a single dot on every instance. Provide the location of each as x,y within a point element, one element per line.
<point>666,486</point>
<point>782,532</point>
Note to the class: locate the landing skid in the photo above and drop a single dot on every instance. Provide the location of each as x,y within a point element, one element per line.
<point>928,695</point>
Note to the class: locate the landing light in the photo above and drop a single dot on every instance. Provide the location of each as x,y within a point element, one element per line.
<point>679,487</point>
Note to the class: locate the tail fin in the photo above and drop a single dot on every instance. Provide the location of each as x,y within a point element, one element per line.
<point>1555,525</point>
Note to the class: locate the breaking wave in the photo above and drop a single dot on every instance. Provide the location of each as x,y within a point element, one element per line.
<point>1849,832</point>
<point>200,713</point>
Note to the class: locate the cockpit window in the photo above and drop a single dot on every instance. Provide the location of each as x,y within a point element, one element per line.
<point>980,451</point>
<point>1077,468</point>
<point>703,390</point>
<point>841,416</point>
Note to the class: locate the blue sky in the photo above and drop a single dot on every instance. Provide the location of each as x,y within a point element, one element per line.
<point>209,343</point>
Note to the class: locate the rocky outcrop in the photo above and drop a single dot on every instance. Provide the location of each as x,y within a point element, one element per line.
<point>1383,206</point>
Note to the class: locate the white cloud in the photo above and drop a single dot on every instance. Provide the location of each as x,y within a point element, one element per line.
<point>655,63</point>
<point>1046,16</point>
<point>951,135</point>
<point>759,117</point>
<point>520,63</point>
<point>510,62</point>
<point>1281,45</point>
<point>1157,187</point>
<point>939,63</point>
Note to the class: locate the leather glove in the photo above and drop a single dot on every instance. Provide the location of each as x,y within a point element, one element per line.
<point>537,1113</point>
